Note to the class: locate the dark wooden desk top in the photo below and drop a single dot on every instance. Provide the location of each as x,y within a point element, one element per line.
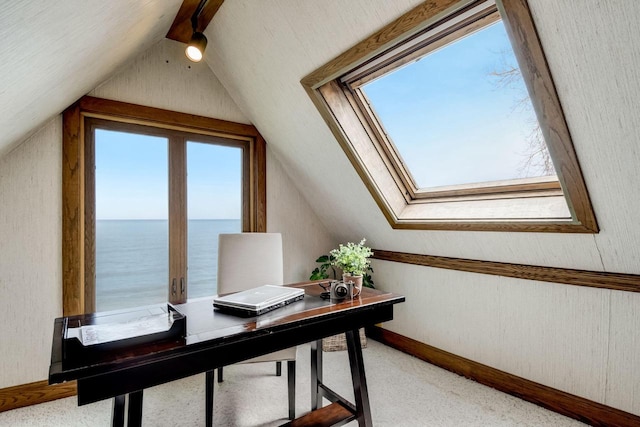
<point>210,332</point>
<point>205,324</point>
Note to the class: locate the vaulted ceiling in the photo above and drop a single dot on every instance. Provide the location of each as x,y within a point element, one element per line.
<point>53,52</point>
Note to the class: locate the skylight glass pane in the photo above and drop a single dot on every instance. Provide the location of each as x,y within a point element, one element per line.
<point>462,114</point>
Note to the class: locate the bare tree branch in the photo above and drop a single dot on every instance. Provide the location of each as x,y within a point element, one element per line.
<point>536,158</point>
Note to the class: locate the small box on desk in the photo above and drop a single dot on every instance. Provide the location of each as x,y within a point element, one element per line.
<point>91,338</point>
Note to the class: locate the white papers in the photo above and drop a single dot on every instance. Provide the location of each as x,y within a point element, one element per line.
<point>108,332</point>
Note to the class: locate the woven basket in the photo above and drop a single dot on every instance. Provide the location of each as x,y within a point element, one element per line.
<point>339,342</point>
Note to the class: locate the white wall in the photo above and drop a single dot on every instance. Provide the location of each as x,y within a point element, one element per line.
<point>304,236</point>
<point>30,254</point>
<point>163,77</point>
<point>30,206</point>
<point>580,340</point>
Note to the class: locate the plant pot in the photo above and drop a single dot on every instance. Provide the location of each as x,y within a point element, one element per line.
<point>357,283</point>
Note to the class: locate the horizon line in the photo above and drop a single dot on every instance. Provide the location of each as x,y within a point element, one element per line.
<point>166,219</point>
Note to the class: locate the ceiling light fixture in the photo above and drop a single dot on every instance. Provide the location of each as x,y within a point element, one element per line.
<point>198,43</point>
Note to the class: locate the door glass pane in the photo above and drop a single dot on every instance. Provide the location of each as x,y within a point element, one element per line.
<point>214,206</point>
<point>131,220</point>
<point>462,114</point>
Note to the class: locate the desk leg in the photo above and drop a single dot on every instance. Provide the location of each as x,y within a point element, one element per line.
<point>208,400</point>
<point>363,412</point>
<point>316,374</point>
<point>117,417</point>
<point>134,418</point>
<point>291,388</point>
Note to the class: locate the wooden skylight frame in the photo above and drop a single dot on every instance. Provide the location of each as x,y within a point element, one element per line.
<point>537,204</point>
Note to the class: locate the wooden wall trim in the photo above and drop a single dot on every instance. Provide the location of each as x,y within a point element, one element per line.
<point>572,406</point>
<point>593,279</point>
<point>34,393</point>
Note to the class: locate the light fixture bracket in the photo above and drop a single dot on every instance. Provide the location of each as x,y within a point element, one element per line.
<point>198,43</point>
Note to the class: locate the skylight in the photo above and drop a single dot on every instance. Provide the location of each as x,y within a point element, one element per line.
<point>462,114</point>
<point>451,118</point>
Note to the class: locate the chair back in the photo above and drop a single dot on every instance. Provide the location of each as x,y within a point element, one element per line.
<point>248,260</point>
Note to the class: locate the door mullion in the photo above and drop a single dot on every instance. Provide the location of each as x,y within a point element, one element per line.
<point>177,220</point>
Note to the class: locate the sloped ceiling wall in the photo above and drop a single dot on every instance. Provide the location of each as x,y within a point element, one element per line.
<point>52,53</point>
<point>261,50</point>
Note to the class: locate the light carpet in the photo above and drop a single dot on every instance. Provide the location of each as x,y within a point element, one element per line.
<point>403,390</point>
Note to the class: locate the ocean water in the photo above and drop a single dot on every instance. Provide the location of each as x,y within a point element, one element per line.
<point>132,260</point>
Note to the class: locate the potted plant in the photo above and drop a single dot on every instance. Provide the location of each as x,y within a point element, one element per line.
<point>326,265</point>
<point>350,258</point>
<point>353,260</point>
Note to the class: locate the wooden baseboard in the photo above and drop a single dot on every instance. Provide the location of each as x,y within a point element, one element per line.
<point>572,406</point>
<point>34,393</point>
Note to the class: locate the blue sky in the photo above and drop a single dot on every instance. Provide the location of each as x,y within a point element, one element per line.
<point>449,118</point>
<point>132,183</point>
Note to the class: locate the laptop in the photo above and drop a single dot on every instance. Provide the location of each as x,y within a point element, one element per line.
<point>257,301</point>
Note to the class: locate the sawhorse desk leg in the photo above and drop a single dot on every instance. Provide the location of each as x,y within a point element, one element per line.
<point>316,374</point>
<point>362,408</point>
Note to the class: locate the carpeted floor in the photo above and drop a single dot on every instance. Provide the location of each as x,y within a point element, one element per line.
<point>403,390</point>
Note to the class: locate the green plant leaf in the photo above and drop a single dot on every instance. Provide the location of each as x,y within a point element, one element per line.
<point>317,275</point>
<point>352,257</point>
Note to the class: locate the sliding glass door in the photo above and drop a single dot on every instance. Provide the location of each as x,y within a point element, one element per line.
<point>161,199</point>
<point>131,230</point>
<point>214,206</point>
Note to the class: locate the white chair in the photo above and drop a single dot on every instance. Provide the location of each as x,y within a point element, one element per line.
<point>245,261</point>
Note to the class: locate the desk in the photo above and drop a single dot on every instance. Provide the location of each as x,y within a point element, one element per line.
<point>215,339</point>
